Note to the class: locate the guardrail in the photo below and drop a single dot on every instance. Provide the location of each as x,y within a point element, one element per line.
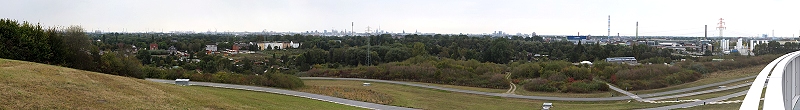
<point>782,89</point>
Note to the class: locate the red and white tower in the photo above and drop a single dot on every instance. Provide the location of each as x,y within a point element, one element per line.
<point>721,26</point>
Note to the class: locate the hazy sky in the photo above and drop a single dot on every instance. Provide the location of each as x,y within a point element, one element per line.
<point>550,17</point>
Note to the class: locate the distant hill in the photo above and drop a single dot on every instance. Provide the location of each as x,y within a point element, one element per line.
<point>28,85</point>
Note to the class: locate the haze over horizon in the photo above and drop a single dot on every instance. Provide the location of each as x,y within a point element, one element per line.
<point>565,17</point>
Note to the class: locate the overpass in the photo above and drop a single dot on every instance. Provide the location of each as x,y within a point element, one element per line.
<point>778,82</point>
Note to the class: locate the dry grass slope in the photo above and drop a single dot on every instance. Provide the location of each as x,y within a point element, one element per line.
<point>27,85</point>
<point>359,94</point>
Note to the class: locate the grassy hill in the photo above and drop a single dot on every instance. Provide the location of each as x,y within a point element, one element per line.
<point>39,86</point>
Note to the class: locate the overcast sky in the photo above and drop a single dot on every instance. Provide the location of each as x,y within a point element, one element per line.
<point>550,17</point>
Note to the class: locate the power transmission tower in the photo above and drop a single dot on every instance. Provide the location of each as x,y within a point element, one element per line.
<point>721,26</point>
<point>368,46</point>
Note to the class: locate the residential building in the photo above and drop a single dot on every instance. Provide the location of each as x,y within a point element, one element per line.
<point>211,48</point>
<point>153,46</point>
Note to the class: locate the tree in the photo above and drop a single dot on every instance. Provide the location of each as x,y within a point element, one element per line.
<point>576,53</point>
<point>24,41</point>
<point>253,48</point>
<point>144,56</point>
<point>418,49</point>
<point>498,52</point>
<point>527,70</point>
<point>79,50</point>
<point>396,55</point>
<point>315,56</point>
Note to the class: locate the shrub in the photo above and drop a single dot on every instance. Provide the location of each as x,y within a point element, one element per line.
<point>539,84</point>
<point>584,86</point>
<point>527,70</point>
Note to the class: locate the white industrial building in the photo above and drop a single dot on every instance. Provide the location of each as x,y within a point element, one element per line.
<point>724,44</point>
<point>278,45</point>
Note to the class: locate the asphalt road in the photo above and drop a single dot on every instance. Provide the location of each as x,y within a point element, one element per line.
<point>699,92</point>
<point>634,96</point>
<point>537,97</point>
<point>692,104</point>
<point>293,93</point>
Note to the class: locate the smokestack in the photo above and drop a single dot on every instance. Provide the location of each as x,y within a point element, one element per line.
<point>637,29</point>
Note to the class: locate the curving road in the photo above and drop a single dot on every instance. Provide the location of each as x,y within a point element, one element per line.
<point>537,97</point>
<point>361,104</point>
<point>702,102</point>
<point>699,92</point>
<point>634,96</point>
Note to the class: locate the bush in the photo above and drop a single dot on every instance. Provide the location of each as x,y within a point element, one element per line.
<point>655,76</point>
<point>527,70</point>
<point>657,60</point>
<point>539,84</point>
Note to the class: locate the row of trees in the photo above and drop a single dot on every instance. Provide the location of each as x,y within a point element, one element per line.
<point>68,47</point>
<point>495,50</point>
<point>773,47</point>
<point>425,69</point>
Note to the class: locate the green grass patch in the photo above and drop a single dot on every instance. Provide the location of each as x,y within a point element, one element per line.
<point>422,98</point>
<point>714,94</point>
<point>27,85</point>
<point>730,106</point>
<point>710,78</point>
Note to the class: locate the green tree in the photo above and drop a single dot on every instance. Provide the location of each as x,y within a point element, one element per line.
<point>144,56</point>
<point>527,70</point>
<point>498,52</point>
<point>79,50</point>
<point>24,41</point>
<point>419,49</point>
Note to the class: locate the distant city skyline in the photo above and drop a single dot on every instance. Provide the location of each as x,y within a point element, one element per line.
<point>563,17</point>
